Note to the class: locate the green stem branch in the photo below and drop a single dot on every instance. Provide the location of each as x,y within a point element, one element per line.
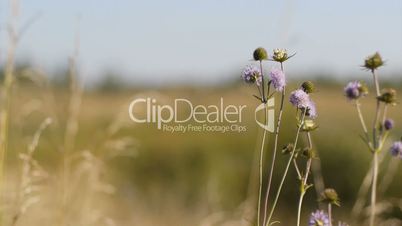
<point>286,170</point>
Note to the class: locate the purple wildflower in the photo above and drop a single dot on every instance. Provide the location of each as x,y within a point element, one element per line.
<point>278,79</point>
<point>299,99</point>
<point>355,90</point>
<point>396,149</point>
<point>311,109</point>
<point>251,74</point>
<point>388,124</point>
<point>318,218</point>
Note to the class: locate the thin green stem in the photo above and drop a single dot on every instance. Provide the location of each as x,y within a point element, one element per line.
<point>299,175</point>
<point>286,169</point>
<point>278,127</point>
<point>363,123</point>
<point>271,171</point>
<point>384,117</point>
<point>376,83</point>
<point>372,175</point>
<point>260,167</point>
<point>330,213</point>
<point>375,153</point>
<point>304,186</point>
<point>299,208</point>
<point>374,189</point>
<point>262,83</point>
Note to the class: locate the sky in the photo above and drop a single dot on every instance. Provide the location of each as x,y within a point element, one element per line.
<point>206,41</point>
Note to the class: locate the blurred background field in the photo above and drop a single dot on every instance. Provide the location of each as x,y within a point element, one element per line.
<point>145,176</point>
<point>74,157</point>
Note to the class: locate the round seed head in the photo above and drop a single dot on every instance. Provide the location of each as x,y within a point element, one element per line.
<point>260,54</point>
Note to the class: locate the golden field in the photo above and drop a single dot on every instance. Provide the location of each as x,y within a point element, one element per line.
<point>112,171</point>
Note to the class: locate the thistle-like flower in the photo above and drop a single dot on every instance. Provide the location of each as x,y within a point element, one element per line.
<point>280,55</point>
<point>311,110</point>
<point>396,149</point>
<point>278,79</point>
<point>354,90</point>
<point>388,124</point>
<point>300,99</point>
<point>251,74</point>
<point>260,54</point>
<point>318,218</point>
<point>373,62</point>
<point>388,96</point>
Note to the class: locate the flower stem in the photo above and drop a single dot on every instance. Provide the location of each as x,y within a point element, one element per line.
<point>304,186</point>
<point>260,167</point>
<point>286,170</point>
<point>278,127</point>
<point>375,153</point>
<point>300,207</point>
<point>359,112</point>
<point>376,83</point>
<point>374,189</point>
<point>330,213</point>
<point>262,83</point>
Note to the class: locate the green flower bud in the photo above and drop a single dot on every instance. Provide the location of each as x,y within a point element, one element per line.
<point>280,55</point>
<point>388,96</point>
<point>308,153</point>
<point>308,87</point>
<point>373,62</point>
<point>309,125</point>
<point>260,54</point>
<point>363,89</point>
<point>330,196</point>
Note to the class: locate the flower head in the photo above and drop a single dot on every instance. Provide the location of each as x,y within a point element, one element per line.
<point>311,109</point>
<point>354,90</point>
<point>330,196</point>
<point>260,54</point>
<point>278,79</point>
<point>396,149</point>
<point>388,124</point>
<point>373,62</point>
<point>318,218</point>
<point>251,74</point>
<point>308,87</point>
<point>280,55</point>
<point>299,99</point>
<point>388,96</point>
